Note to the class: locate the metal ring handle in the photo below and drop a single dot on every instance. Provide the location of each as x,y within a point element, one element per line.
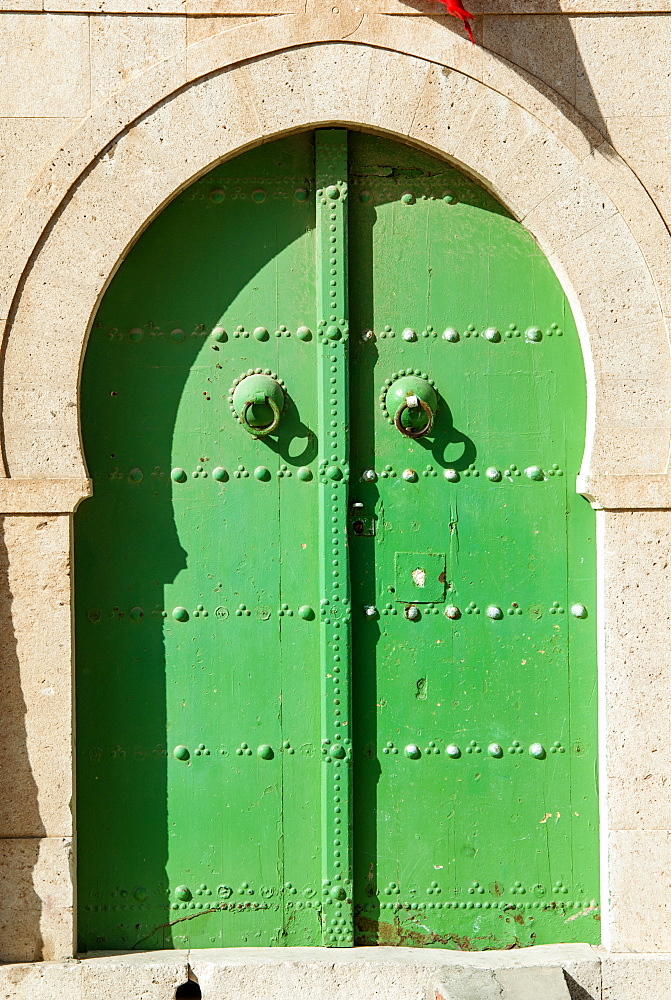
<point>414,432</point>
<point>269,428</point>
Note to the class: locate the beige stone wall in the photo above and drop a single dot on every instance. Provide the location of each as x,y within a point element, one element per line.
<point>107,107</point>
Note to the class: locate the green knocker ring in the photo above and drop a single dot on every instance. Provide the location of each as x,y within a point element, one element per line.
<point>269,428</point>
<point>258,388</point>
<point>412,402</point>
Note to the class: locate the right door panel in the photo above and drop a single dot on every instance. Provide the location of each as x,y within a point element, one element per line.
<point>473,572</point>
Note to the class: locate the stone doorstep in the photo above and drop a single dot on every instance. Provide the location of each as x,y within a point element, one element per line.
<point>546,972</point>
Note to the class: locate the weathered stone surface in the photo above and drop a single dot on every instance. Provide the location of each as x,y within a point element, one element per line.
<point>36,910</point>
<point>45,66</point>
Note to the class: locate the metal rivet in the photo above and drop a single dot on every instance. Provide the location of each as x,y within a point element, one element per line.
<point>408,198</point>
<point>452,611</point>
<point>534,472</point>
<point>492,335</point>
<point>367,336</point>
<point>413,613</point>
<point>579,611</point>
<point>265,751</point>
<point>452,750</point>
<point>262,474</point>
<point>304,474</point>
<point>338,751</point>
<point>369,610</point>
<point>304,333</point>
<point>369,476</point>
<point>306,613</point>
<point>219,474</point>
<point>451,475</point>
<point>180,614</point>
<point>412,751</point>
<point>334,473</point>
<point>183,893</point>
<point>332,192</point>
<point>534,335</point>
<point>409,475</point>
<point>217,196</point>
<point>537,750</point>
<point>261,333</point>
<point>493,475</point>
<point>178,476</point>
<point>409,334</point>
<point>219,334</point>
<point>495,750</point>
<point>181,753</point>
<point>494,611</point>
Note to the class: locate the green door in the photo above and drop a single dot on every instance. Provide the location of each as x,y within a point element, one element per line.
<point>334,590</point>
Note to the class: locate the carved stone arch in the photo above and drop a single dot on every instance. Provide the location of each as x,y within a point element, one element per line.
<point>584,206</point>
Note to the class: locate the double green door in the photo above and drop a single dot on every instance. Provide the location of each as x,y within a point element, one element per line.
<point>335,630</point>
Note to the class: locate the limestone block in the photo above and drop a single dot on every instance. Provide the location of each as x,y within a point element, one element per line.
<point>645,144</point>
<point>622,66</point>
<point>204,26</point>
<point>544,46</point>
<point>637,636</point>
<point>35,681</point>
<point>153,976</point>
<point>388,107</point>
<point>630,977</point>
<point>59,46</point>
<point>445,109</point>
<point>639,864</point>
<point>503,984</point>
<point>41,981</point>
<point>122,47</point>
<point>25,146</point>
<point>572,210</point>
<point>541,165</point>
<point>36,909</point>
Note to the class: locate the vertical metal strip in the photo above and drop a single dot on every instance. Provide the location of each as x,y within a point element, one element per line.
<point>335,610</point>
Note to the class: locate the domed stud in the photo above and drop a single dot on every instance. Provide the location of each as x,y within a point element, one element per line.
<point>534,472</point>
<point>265,752</point>
<point>451,335</point>
<point>180,615</point>
<point>409,475</point>
<point>181,753</point>
<point>494,612</point>
<point>533,335</point>
<point>304,333</point>
<point>332,192</point>
<point>409,334</point>
<point>261,333</point>
<point>219,474</point>
<point>495,750</point>
<point>367,336</point>
<point>413,751</point>
<point>183,893</point>
<point>304,474</point>
<point>579,611</point>
<point>412,613</point>
<point>338,751</point>
<point>369,476</point>
<point>306,613</point>
<point>452,750</point>
<point>334,473</point>
<point>492,335</point>
<point>338,892</point>
<point>370,611</point>
<point>453,612</point>
<point>494,475</point>
<point>408,198</point>
<point>451,475</point>
<point>178,476</point>
<point>537,750</point>
<point>219,335</point>
<point>262,474</point>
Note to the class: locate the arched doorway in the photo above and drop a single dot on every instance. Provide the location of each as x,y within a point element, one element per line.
<point>336,681</point>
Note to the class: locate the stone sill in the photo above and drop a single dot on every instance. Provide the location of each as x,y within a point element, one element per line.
<point>268,7</point>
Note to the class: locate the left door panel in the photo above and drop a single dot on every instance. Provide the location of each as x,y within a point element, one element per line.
<point>198,730</point>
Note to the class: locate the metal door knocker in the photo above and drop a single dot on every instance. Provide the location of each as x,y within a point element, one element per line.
<point>257,400</point>
<point>410,403</point>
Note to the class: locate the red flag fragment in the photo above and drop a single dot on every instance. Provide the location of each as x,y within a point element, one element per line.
<point>455,8</point>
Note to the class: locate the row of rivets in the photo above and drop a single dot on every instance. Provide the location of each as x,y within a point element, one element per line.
<point>220,336</point>
<point>414,613</point>
<point>218,195</point>
<point>264,750</point>
<point>533,472</point>
<point>532,334</point>
<point>590,906</point>
<point>136,334</point>
<point>181,614</point>
<point>413,751</point>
